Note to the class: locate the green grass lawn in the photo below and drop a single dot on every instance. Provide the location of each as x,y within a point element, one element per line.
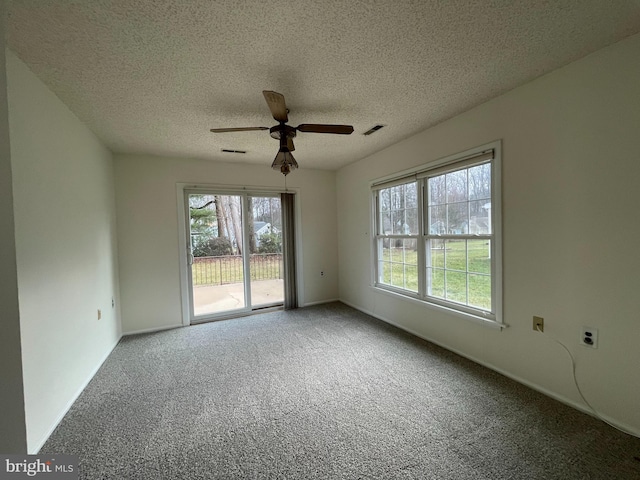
<point>454,264</point>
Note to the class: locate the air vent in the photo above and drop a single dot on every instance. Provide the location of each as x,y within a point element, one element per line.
<point>226,150</point>
<point>373,129</point>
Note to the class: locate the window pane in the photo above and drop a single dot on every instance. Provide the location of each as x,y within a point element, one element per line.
<point>480,291</point>
<point>411,222</point>
<point>405,222</point>
<point>438,220</point>
<point>384,265</point>
<point>456,286</point>
<point>437,190</point>
<point>480,182</point>
<point>396,222</point>
<point>385,223</point>
<point>397,250</point>
<point>480,212</point>
<point>399,210</point>
<point>385,273</point>
<point>397,275</point>
<point>396,197</point>
<point>457,186</point>
<point>456,255</point>
<point>457,218</point>
<point>410,251</point>
<point>435,280</point>
<point>479,255</point>
<point>411,195</point>
<point>411,277</point>
<point>437,253</point>
<point>398,264</point>
<point>385,199</point>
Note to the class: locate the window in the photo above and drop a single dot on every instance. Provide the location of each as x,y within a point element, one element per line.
<point>438,237</point>
<point>398,263</point>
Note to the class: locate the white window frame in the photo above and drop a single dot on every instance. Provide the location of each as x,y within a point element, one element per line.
<point>490,153</point>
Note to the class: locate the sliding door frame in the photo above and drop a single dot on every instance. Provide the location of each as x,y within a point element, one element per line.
<point>183,246</point>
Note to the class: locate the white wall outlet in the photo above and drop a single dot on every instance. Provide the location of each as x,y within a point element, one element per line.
<point>589,337</point>
<point>538,324</point>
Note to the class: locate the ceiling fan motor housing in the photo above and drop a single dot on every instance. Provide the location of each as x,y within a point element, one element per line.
<point>277,131</point>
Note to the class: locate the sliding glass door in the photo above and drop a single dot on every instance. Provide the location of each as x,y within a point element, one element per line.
<point>265,251</point>
<point>235,253</point>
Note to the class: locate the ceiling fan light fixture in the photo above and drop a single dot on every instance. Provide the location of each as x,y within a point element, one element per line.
<point>284,161</point>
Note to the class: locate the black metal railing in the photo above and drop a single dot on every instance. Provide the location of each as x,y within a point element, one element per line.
<point>228,269</point>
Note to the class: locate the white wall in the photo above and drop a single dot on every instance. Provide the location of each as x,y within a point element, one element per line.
<point>571,166</point>
<point>66,249</point>
<point>148,230</point>
<point>12,422</point>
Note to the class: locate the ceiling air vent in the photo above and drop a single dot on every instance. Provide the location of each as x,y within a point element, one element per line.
<point>226,150</point>
<point>373,129</point>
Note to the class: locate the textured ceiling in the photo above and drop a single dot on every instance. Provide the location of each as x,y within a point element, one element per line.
<point>153,76</point>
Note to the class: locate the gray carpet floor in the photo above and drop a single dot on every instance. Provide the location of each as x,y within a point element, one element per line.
<point>323,392</point>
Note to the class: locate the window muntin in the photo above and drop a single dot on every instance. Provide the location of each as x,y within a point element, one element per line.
<point>436,235</point>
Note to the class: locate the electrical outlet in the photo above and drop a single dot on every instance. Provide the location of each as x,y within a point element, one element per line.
<point>589,337</point>
<point>538,324</point>
<point>322,274</point>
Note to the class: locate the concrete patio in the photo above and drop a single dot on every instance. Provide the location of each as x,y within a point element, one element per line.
<point>210,299</point>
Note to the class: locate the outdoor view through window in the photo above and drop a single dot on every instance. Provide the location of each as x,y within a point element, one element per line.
<point>435,236</point>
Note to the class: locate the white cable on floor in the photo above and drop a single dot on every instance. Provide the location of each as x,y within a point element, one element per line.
<point>575,382</point>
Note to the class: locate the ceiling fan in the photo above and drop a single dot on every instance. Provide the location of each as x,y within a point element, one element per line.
<point>284,160</point>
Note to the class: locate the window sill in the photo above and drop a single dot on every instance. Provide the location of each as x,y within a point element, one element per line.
<point>433,306</point>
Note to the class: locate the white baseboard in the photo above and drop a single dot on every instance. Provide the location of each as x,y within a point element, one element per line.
<point>153,329</point>
<point>310,304</point>
<point>578,406</point>
<point>72,400</point>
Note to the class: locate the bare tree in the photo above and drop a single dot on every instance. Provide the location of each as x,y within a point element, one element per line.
<point>234,215</point>
<point>222,221</point>
<point>251,224</point>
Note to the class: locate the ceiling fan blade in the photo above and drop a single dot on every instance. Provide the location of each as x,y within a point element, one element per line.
<point>237,129</point>
<point>290,144</point>
<point>323,128</point>
<point>276,104</point>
